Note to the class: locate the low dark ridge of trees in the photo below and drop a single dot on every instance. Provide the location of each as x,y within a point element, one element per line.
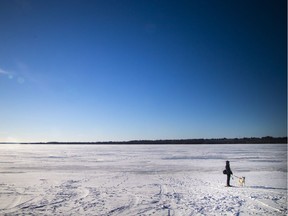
<point>245,140</point>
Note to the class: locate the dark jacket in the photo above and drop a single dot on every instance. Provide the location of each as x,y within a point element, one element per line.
<point>228,170</point>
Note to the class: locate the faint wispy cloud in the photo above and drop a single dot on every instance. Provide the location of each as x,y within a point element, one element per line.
<point>21,74</point>
<point>4,72</point>
<point>9,74</point>
<point>12,75</point>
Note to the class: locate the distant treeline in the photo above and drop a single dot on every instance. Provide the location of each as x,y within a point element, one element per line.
<point>245,140</point>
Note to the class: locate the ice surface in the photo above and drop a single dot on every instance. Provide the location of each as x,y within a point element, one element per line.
<point>142,180</point>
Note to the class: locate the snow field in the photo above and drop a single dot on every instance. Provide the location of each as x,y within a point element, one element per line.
<point>142,180</point>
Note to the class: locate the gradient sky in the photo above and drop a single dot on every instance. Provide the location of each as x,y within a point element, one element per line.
<point>142,69</point>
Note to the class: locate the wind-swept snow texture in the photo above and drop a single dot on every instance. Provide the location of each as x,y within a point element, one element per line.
<point>142,180</point>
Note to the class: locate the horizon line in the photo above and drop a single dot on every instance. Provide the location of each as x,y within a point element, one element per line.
<point>223,140</point>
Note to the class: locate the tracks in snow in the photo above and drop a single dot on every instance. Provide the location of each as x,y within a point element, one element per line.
<point>124,193</point>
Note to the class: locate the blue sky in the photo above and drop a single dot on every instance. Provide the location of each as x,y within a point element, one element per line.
<point>125,70</point>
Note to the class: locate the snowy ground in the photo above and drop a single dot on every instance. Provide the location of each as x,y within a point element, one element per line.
<point>142,180</point>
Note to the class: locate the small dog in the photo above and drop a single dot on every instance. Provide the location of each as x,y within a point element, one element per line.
<point>241,181</point>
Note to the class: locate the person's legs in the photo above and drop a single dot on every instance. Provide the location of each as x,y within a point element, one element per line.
<point>228,180</point>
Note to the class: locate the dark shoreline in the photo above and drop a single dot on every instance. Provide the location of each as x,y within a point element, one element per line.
<point>252,140</point>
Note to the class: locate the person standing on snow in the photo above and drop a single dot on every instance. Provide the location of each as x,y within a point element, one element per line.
<point>228,173</point>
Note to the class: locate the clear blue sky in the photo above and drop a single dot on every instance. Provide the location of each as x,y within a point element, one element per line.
<point>142,69</point>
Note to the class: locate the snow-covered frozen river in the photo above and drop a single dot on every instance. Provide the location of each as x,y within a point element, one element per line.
<point>142,179</point>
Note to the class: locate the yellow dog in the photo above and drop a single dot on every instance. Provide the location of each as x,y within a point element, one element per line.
<point>241,181</point>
